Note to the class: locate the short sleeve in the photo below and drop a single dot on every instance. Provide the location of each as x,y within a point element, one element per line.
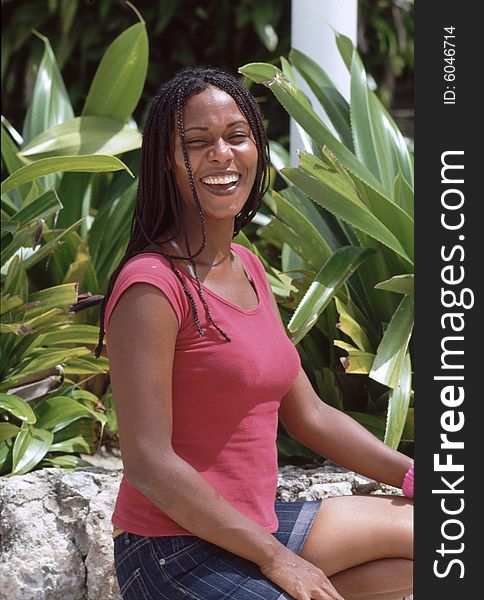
<point>152,270</point>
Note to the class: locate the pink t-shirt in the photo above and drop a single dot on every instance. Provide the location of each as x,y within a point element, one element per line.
<point>225,394</point>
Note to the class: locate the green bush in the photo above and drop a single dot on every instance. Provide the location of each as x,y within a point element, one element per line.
<point>344,225</point>
<point>65,223</point>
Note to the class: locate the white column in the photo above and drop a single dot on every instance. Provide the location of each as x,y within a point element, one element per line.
<point>312,32</point>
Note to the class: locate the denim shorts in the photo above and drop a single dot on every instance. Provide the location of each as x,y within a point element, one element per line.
<point>185,566</point>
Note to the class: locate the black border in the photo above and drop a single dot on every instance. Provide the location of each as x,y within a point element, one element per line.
<point>443,127</point>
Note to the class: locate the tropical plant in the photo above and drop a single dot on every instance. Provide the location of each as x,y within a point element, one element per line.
<point>64,223</point>
<point>227,33</point>
<point>49,434</point>
<point>41,346</point>
<point>344,225</point>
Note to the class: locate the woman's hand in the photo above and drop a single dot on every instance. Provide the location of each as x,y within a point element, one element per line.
<point>299,577</point>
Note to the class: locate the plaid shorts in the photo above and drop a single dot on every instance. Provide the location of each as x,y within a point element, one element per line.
<point>184,566</point>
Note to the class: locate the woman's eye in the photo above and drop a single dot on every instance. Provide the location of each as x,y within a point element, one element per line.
<point>239,136</point>
<point>195,141</point>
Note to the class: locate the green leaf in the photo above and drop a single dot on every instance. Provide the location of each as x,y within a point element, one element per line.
<point>394,218</point>
<point>400,284</point>
<point>6,451</point>
<point>16,282</point>
<point>107,401</point>
<point>373,126</point>
<point>42,207</point>
<point>78,436</point>
<point>9,153</point>
<point>120,77</point>
<point>328,388</point>
<point>84,135</point>
<point>295,215</point>
<point>18,408</point>
<point>369,142</point>
<point>23,238</point>
<point>110,231</point>
<point>44,250</point>
<point>57,412</point>
<point>65,461</point>
<point>85,397</point>
<point>30,447</point>
<point>398,403</point>
<point>312,212</point>
<point>328,191</point>
<point>291,261</point>
<point>11,159</point>
<point>334,104</point>
<point>45,166</point>
<point>330,278</point>
<point>403,195</point>
<point>381,307</point>
<point>10,302</point>
<point>279,155</point>
<point>8,431</point>
<point>70,333</point>
<point>393,346</point>
<point>352,328</point>
<point>378,142</point>
<point>346,48</point>
<point>58,296</point>
<point>308,143</point>
<point>87,364</point>
<point>50,102</point>
<point>32,366</point>
<point>297,105</point>
<point>357,362</point>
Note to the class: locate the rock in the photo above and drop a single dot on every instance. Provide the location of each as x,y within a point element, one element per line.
<point>103,458</point>
<point>55,526</point>
<point>326,490</point>
<point>363,485</point>
<point>56,535</point>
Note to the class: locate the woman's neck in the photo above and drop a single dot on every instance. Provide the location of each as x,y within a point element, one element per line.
<point>217,249</point>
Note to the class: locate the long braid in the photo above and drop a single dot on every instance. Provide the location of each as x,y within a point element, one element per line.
<point>158,204</point>
<point>181,131</point>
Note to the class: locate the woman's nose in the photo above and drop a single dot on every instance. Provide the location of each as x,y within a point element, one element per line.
<point>221,151</point>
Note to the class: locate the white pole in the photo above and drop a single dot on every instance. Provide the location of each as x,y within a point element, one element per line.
<point>312,33</point>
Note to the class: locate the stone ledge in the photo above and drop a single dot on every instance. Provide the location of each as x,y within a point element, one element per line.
<point>55,526</point>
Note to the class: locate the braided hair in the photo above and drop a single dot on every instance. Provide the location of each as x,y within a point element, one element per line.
<point>158,202</point>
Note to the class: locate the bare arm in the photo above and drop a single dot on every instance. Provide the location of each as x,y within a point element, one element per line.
<point>337,436</point>
<point>142,334</point>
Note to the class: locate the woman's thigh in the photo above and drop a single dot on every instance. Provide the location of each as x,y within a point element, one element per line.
<point>351,530</point>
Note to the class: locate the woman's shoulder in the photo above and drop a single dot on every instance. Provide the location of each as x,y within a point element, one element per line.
<point>154,269</point>
<point>150,267</point>
<point>250,256</point>
<point>147,264</point>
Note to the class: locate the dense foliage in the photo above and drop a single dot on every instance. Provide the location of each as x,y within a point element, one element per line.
<point>347,207</point>
<point>69,166</point>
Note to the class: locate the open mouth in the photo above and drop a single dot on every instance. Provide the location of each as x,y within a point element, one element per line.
<point>221,183</point>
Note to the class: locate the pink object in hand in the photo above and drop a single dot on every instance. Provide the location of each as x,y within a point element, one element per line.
<point>407,486</point>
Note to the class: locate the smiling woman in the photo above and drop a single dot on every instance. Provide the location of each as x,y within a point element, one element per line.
<point>201,368</point>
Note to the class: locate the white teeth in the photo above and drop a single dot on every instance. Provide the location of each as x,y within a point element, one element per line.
<point>221,179</point>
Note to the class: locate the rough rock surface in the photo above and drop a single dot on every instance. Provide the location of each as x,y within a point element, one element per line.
<point>55,526</point>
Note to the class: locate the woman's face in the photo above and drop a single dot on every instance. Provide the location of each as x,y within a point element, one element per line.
<point>222,154</point>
